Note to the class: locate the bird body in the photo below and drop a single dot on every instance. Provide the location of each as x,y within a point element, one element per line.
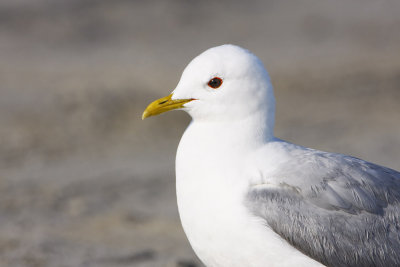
<point>247,198</point>
<point>211,195</point>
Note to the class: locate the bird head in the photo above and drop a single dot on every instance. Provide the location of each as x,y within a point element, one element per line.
<point>223,83</point>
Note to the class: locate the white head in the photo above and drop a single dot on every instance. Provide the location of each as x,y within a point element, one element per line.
<point>242,88</point>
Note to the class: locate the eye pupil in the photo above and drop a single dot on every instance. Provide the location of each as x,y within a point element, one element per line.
<point>215,82</point>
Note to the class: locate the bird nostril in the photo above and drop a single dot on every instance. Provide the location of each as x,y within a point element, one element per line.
<point>162,102</point>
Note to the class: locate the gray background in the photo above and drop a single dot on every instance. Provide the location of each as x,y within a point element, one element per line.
<point>85,182</point>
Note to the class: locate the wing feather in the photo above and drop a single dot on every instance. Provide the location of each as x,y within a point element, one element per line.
<point>348,216</point>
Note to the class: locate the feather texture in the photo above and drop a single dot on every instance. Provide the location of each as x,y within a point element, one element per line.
<point>337,209</point>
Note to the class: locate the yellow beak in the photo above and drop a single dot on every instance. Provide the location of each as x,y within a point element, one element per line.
<point>163,105</point>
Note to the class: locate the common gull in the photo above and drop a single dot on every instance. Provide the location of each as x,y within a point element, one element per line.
<point>247,198</point>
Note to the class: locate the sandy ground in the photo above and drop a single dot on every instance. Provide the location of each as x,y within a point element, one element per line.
<point>85,182</point>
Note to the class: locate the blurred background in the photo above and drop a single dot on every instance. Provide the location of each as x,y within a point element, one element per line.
<point>85,182</point>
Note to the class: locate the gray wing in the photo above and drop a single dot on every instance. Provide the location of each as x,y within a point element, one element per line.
<point>350,218</point>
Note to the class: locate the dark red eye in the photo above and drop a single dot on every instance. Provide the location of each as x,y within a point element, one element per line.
<point>215,82</point>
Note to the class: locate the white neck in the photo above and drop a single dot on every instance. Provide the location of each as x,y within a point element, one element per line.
<point>247,132</point>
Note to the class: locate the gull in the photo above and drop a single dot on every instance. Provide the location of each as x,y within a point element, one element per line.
<point>247,198</point>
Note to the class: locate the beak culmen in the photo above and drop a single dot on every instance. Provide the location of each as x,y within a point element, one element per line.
<point>163,105</point>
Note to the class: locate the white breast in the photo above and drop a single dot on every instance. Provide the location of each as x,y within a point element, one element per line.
<point>210,192</point>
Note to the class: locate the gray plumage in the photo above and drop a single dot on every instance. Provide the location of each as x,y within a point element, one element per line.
<point>339,210</point>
